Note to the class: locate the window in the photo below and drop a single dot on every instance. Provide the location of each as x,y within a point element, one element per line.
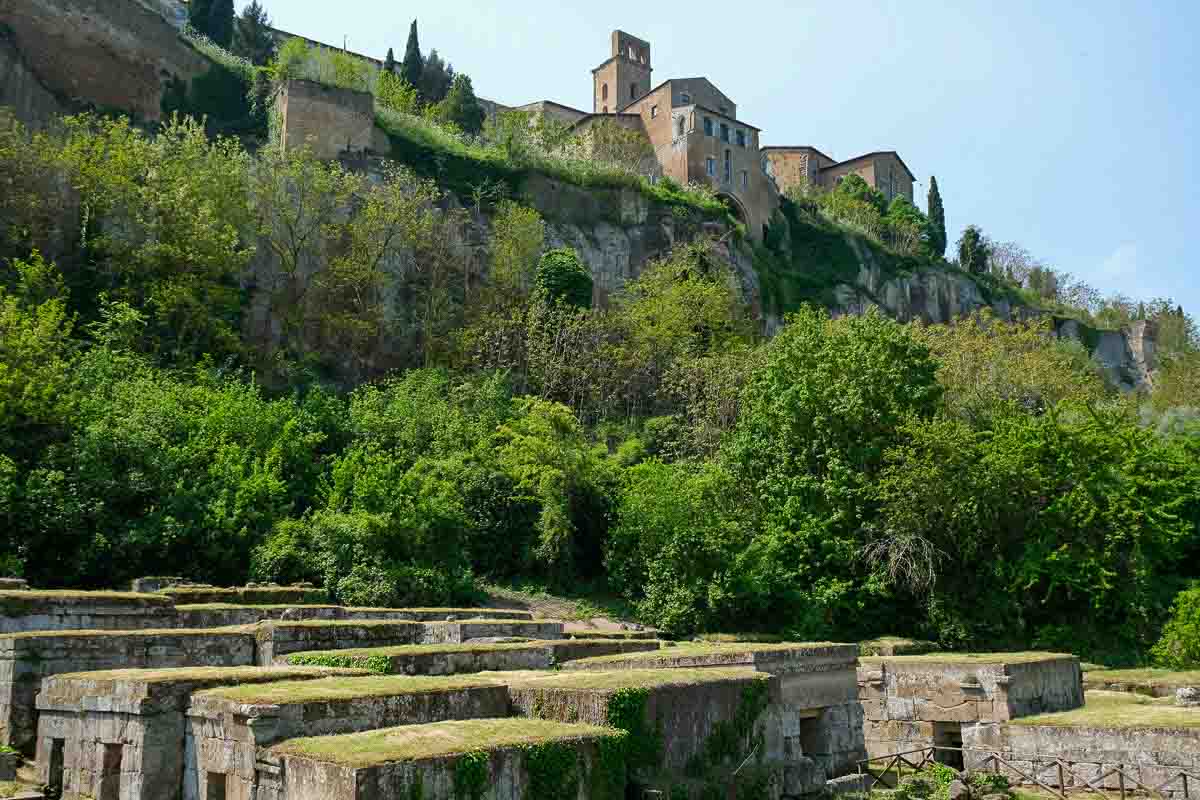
<point>745,179</point>
<point>711,164</point>
<point>679,126</point>
<point>724,132</point>
<point>741,138</point>
<point>728,166</point>
<point>604,92</point>
<point>633,91</point>
<point>685,99</point>
<point>632,54</point>
<point>653,112</point>
<point>708,126</point>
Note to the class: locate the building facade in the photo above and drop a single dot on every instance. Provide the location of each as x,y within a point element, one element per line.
<point>807,166</point>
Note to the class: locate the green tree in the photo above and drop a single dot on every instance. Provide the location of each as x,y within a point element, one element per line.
<point>907,227</point>
<point>1179,647</point>
<point>389,63</point>
<point>413,65</point>
<point>252,38</point>
<point>437,77</point>
<point>973,251</point>
<point>221,23</point>
<point>937,220</point>
<point>200,15</point>
<point>461,108</point>
<point>562,276</point>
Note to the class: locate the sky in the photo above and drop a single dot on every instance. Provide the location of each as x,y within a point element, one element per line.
<point>1069,127</point>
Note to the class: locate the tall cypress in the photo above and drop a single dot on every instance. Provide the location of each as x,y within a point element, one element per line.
<point>389,63</point>
<point>413,64</point>
<point>220,25</point>
<point>252,37</point>
<point>937,220</point>
<point>199,13</point>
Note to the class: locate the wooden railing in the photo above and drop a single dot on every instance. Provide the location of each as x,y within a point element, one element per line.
<point>1069,780</point>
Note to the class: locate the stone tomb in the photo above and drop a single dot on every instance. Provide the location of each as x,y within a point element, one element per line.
<point>519,761</point>
<point>690,727</point>
<point>912,702</point>
<point>817,689</point>
<point>119,735</point>
<point>229,728</point>
<point>26,610</point>
<point>456,659</point>
<point>1152,740</point>
<point>220,615</point>
<point>27,658</point>
<point>276,641</point>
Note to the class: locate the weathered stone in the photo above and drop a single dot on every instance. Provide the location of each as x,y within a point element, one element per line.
<point>1188,696</point>
<point>957,790</point>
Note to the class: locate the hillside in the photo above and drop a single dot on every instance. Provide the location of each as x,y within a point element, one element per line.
<point>439,362</point>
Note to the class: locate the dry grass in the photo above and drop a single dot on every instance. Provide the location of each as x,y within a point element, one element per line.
<point>416,742</point>
<point>968,658</point>
<point>1119,710</point>
<point>187,674</point>
<point>1145,677</point>
<point>343,688</point>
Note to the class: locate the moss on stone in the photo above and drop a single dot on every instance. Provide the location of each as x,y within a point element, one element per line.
<point>896,646</point>
<point>648,678</point>
<point>701,649</point>
<point>439,739</point>
<point>1119,710</point>
<point>342,688</point>
<point>231,674</point>
<point>152,633</point>
<point>16,602</point>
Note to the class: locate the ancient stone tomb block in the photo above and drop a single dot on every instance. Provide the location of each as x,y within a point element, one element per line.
<point>119,735</point>
<point>511,758</point>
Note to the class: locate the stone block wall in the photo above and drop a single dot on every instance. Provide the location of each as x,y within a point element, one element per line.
<point>918,701</point>
<point>120,735</point>
<point>228,738</point>
<point>27,659</point>
<point>1153,756</point>
<point>247,595</point>
<point>332,121</point>
<point>311,778</point>
<point>22,611</point>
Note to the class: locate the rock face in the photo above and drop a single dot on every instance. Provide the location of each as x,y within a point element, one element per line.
<point>103,53</point>
<point>20,89</point>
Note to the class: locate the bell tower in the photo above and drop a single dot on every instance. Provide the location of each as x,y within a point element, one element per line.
<point>624,77</point>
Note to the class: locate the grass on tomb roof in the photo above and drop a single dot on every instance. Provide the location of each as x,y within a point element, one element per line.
<point>156,632</point>
<point>415,742</point>
<point>440,610</point>
<point>729,638</point>
<point>67,594</point>
<point>343,688</point>
<point>707,648</point>
<point>1119,710</point>
<point>339,623</point>
<point>243,606</point>
<point>434,649</point>
<point>1146,677</point>
<point>643,678</point>
<point>232,674</point>
<point>967,658</point>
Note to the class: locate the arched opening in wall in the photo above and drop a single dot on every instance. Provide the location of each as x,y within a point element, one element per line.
<point>604,92</point>
<point>735,207</point>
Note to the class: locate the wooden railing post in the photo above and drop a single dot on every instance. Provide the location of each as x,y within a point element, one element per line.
<point>1121,779</point>
<point>1062,784</point>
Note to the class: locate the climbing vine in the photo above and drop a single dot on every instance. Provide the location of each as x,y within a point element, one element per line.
<point>471,776</point>
<point>627,712</point>
<point>608,772</point>
<point>553,771</point>
<point>725,743</point>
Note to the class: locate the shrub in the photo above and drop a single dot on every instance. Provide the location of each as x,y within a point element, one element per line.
<point>562,276</point>
<point>1179,647</point>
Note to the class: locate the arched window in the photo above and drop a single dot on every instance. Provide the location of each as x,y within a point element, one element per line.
<point>604,92</point>
<point>633,91</point>
<point>679,126</point>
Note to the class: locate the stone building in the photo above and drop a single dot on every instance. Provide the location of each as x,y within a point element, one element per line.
<point>808,166</point>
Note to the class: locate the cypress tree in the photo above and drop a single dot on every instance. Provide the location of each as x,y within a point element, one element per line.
<point>937,220</point>
<point>413,64</point>
<point>389,63</point>
<point>199,12</point>
<point>220,24</point>
<point>252,37</point>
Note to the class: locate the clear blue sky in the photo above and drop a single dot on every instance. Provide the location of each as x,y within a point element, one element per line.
<point>1070,127</point>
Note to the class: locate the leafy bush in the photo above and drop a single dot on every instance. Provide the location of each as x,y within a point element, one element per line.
<point>1179,646</point>
<point>562,276</point>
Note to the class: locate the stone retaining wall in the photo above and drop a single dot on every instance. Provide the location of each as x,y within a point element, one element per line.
<point>219,615</point>
<point>1153,756</point>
